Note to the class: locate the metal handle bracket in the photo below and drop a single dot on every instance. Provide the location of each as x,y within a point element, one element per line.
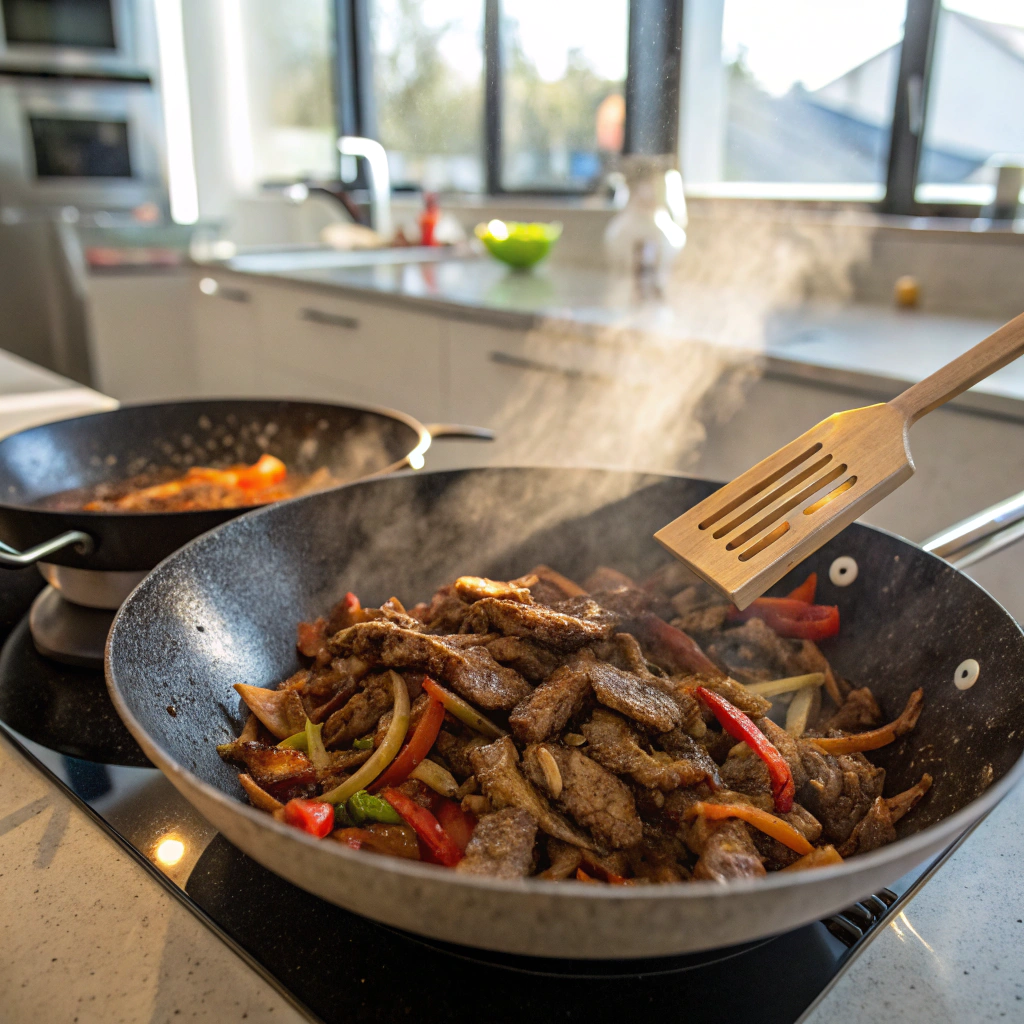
<point>10,558</point>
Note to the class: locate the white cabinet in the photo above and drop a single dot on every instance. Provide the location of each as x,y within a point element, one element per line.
<point>226,332</point>
<point>319,345</point>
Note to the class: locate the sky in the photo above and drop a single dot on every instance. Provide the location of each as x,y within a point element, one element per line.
<point>816,41</point>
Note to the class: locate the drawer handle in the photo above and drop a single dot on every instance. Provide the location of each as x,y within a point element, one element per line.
<point>522,363</point>
<point>318,316</point>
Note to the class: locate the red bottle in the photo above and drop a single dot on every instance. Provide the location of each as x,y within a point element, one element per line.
<point>428,219</point>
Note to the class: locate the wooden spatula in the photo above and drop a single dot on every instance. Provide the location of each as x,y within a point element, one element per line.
<point>750,533</point>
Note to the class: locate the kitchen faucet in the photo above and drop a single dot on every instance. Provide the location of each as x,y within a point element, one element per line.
<point>380,181</point>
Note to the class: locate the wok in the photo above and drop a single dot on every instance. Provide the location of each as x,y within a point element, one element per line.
<point>351,441</point>
<point>223,610</point>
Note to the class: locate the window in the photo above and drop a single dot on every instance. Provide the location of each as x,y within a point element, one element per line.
<point>801,94</point>
<point>974,119</point>
<point>290,104</point>
<point>428,89</point>
<point>564,73</point>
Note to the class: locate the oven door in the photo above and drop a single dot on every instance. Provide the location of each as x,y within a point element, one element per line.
<point>99,36</point>
<point>92,146</point>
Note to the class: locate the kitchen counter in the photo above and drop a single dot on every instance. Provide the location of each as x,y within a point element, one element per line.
<point>91,936</point>
<point>873,350</point>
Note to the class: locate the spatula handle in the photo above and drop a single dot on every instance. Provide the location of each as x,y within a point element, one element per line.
<point>964,372</point>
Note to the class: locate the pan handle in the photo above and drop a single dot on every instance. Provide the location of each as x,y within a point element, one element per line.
<point>438,431</point>
<point>980,535</point>
<point>13,559</point>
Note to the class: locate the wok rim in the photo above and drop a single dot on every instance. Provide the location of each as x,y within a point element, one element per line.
<point>937,835</point>
<point>424,441</point>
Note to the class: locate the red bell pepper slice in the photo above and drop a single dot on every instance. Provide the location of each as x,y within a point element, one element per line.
<point>312,636</point>
<point>792,618</point>
<point>440,845</point>
<point>742,728</point>
<point>459,824</point>
<point>415,750</point>
<point>265,472</point>
<point>806,590</point>
<point>312,816</point>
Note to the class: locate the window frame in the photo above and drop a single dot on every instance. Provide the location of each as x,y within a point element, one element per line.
<point>653,77</point>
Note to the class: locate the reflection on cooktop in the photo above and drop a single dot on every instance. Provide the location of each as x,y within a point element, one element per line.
<point>61,707</point>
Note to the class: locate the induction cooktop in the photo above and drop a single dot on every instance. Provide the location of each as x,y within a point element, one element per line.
<point>335,966</point>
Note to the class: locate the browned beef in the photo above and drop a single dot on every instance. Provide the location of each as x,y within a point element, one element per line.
<point>658,858</point>
<point>496,767</point>
<point>563,630</point>
<point>839,790</point>
<point>606,578</point>
<point>635,697</point>
<point>456,752</point>
<point>738,696</point>
<point>281,772</point>
<point>859,712</point>
<point>563,860</point>
<point>360,715</point>
<point>670,578</point>
<point>729,853</point>
<point>752,652</point>
<point>501,845</point>
<point>530,660</point>
<point>685,750</point>
<point>700,610</point>
<point>446,612</point>
<point>588,793</point>
<point>680,689</point>
<point>416,710</point>
<point>746,774</point>
<point>776,855</point>
<point>615,744</point>
<point>623,651</point>
<point>875,829</point>
<point>475,588</point>
<point>788,747</point>
<point>545,711</point>
<point>471,672</point>
<point>906,801</point>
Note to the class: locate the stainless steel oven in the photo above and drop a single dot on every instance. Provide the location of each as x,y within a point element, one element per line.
<point>91,145</point>
<point>112,36</point>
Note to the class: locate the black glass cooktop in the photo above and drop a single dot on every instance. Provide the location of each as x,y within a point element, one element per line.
<point>335,966</point>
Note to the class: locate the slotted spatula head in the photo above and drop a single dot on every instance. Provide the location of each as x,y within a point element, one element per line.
<point>751,532</point>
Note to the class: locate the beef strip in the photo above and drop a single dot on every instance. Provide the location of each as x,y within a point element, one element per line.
<point>530,660</point>
<point>471,672</point>
<point>788,747</point>
<point>360,714</point>
<point>496,767</point>
<point>700,609</point>
<point>684,749</point>
<point>634,697</point>
<point>345,689</point>
<point>746,774</point>
<point>751,704</point>
<point>613,743</point>
<point>545,711</point>
<point>876,829</point>
<point>281,772</point>
<point>623,651</point>
<point>859,712</point>
<point>563,859</point>
<point>446,611</point>
<point>416,710</point>
<point>501,845</point>
<point>729,853</point>
<point>475,588</point>
<point>658,858</point>
<point>456,752</point>
<point>680,689</point>
<point>560,630</point>
<point>752,652</point>
<point>776,855</point>
<point>588,793</point>
<point>839,790</point>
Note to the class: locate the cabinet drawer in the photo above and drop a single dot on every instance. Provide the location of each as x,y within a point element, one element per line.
<point>226,328</point>
<point>368,352</point>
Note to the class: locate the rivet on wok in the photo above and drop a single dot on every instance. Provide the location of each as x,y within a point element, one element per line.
<point>843,571</point>
<point>966,674</point>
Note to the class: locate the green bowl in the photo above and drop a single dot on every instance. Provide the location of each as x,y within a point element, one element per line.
<point>517,244</point>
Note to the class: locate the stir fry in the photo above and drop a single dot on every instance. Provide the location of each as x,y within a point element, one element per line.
<point>201,487</point>
<point>612,732</point>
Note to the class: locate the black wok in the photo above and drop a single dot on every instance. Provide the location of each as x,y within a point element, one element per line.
<point>223,609</point>
<point>351,441</point>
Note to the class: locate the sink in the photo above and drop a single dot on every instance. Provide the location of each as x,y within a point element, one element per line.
<point>272,261</point>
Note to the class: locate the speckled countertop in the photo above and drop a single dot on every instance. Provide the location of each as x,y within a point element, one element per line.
<point>874,349</point>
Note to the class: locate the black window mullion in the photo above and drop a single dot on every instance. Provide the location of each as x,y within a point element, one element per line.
<point>493,83</point>
<point>911,106</point>
<point>355,111</point>
<point>653,76</point>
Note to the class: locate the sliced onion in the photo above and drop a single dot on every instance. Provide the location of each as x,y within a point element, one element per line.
<point>385,753</point>
<point>315,746</point>
<point>297,741</point>
<point>439,779</point>
<point>465,713</point>
<point>799,711</point>
<point>774,687</point>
